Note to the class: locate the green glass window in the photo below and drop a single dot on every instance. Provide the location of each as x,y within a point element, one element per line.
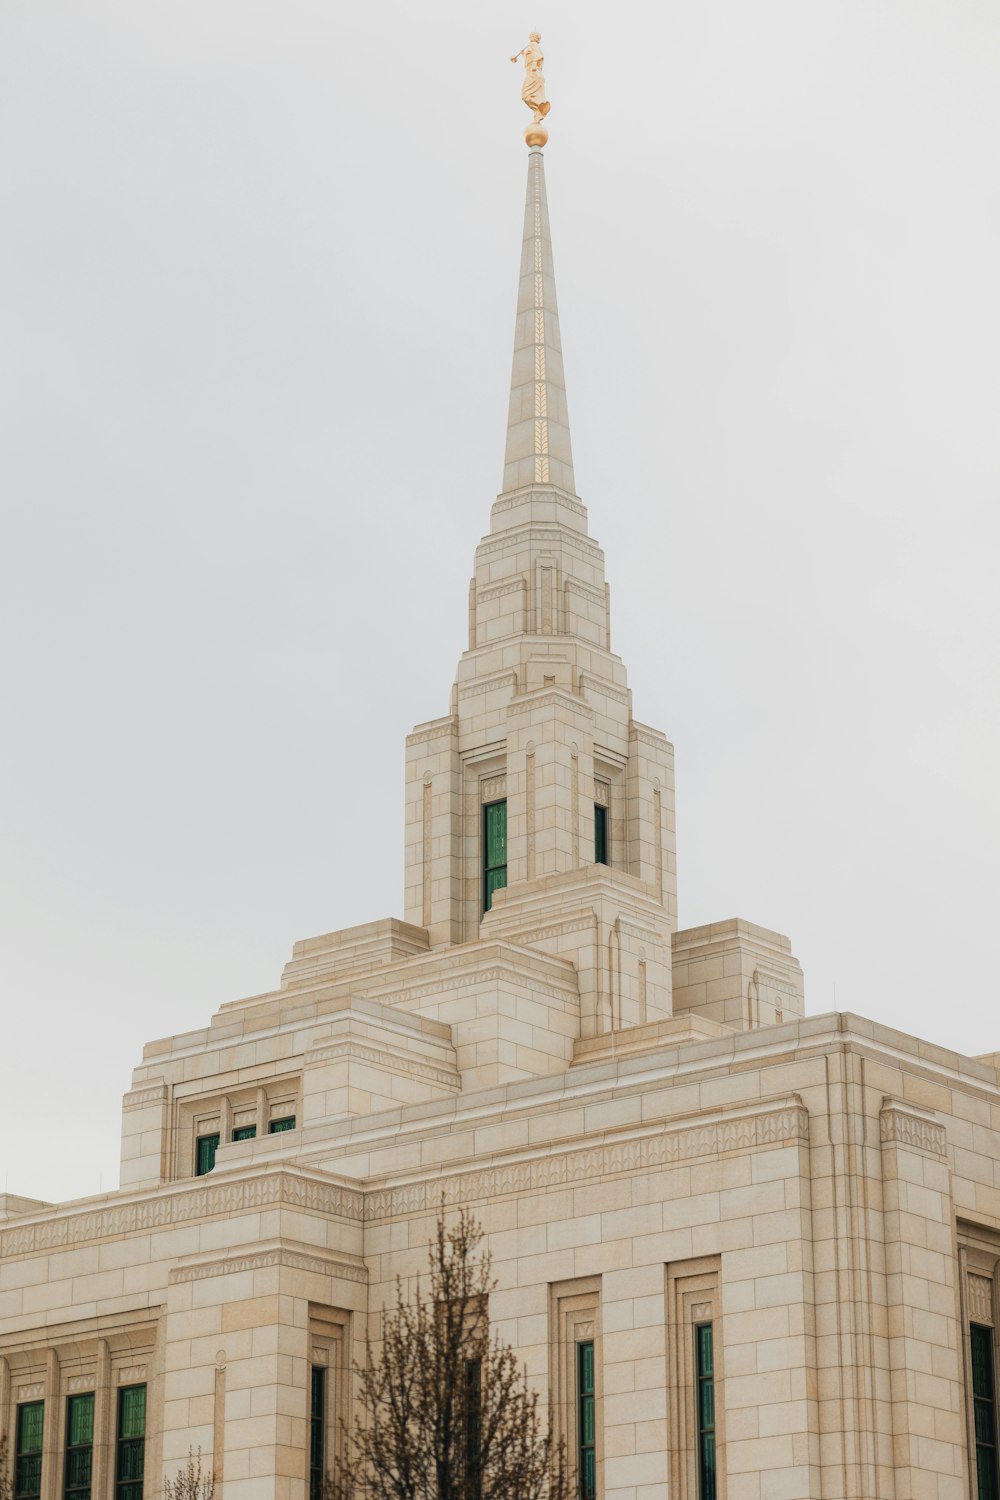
<point>130,1454</point>
<point>205,1149</point>
<point>984,1412</point>
<point>705,1397</point>
<point>602,842</point>
<point>586,1446</point>
<point>28,1450</point>
<point>317,1433</point>
<point>245,1133</point>
<point>494,850</point>
<point>79,1446</point>
<point>474,1424</point>
<point>277,1126</point>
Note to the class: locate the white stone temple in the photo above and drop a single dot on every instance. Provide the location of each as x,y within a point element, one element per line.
<point>764,1248</point>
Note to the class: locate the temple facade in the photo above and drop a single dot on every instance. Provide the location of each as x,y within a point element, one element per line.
<point>762,1246</point>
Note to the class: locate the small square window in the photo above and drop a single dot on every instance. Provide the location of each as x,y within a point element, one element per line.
<point>245,1133</point>
<point>277,1126</point>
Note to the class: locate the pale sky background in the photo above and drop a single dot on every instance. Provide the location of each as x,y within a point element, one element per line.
<point>258,264</point>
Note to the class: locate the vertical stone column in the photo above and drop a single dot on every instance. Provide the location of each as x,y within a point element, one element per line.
<point>433,874</point>
<point>925,1342</point>
<point>104,1421</point>
<point>550,736</point>
<point>652,842</point>
<point>52,1429</point>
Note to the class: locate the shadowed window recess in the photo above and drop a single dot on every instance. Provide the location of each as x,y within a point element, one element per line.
<point>494,850</point>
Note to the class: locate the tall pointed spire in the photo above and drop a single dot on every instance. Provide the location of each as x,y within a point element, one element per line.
<point>538,444</point>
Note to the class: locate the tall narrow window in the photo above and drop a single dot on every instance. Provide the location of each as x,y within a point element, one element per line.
<point>130,1455</point>
<point>705,1394</point>
<point>277,1126</point>
<point>586,1449</point>
<point>28,1451</point>
<point>317,1433</point>
<point>474,1424</point>
<point>984,1412</point>
<point>79,1446</point>
<point>245,1133</point>
<point>602,842</point>
<point>494,850</point>
<point>207,1145</point>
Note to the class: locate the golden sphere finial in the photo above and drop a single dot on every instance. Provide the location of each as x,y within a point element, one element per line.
<point>536,135</point>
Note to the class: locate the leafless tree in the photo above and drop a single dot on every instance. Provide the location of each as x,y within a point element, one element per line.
<point>446,1414</point>
<point>189,1483</point>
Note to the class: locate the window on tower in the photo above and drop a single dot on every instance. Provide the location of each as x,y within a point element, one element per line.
<point>494,850</point>
<point>602,841</point>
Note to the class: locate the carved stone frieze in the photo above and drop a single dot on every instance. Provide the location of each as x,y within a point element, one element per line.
<point>900,1125</point>
<point>788,1124</point>
<point>162,1210</point>
<point>348,1268</point>
<point>383,1057</point>
<point>138,1098</point>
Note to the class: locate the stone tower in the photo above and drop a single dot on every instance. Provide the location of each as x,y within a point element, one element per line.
<point>539,811</point>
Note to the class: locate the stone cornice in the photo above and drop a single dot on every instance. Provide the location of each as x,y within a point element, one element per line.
<point>139,1098</point>
<point>348,1050</point>
<point>773,1124</point>
<point>165,1207</point>
<point>289,1253</point>
<point>902,1125</point>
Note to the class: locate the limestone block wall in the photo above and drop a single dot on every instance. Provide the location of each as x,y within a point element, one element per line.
<point>737,973</point>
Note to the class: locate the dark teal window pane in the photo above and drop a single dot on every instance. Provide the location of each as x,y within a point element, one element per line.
<point>79,1446</point>
<point>984,1411</point>
<point>130,1449</point>
<point>494,850</point>
<point>317,1432</point>
<point>705,1403</point>
<point>586,1452</point>
<point>80,1420</point>
<point>207,1145</point>
<point>602,841</point>
<point>277,1126</point>
<point>245,1133</point>
<point>28,1450</point>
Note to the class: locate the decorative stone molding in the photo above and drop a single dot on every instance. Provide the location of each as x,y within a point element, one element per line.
<point>133,1374</point>
<point>384,1057</point>
<point>647,736</point>
<point>568,541</point>
<point>138,1098</point>
<point>602,792</point>
<point>507,502</point>
<point>900,1124</point>
<point>787,1124</point>
<point>607,689</point>
<point>587,590</point>
<point>489,685</point>
<point>492,788</point>
<point>980,1299</point>
<point>80,1383</point>
<point>567,994</point>
<point>500,589</point>
<point>552,699</point>
<point>33,1392</point>
<point>436,732</point>
<point>532,935</point>
<point>299,1258</point>
<point>163,1210</point>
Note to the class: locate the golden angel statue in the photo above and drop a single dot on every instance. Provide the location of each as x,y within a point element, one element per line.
<point>533,88</point>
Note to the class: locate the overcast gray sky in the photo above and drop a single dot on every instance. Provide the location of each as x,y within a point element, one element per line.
<point>258,264</point>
